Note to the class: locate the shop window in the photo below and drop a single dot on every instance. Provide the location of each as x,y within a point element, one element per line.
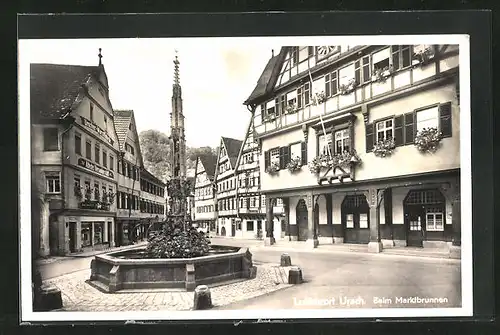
<point>53,182</point>
<point>349,221</point>
<point>50,139</point>
<point>434,219</point>
<point>98,229</point>
<point>86,232</point>
<point>428,118</point>
<point>342,141</point>
<point>385,130</point>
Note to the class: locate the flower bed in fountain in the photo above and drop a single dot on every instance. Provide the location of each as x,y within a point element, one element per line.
<point>129,269</point>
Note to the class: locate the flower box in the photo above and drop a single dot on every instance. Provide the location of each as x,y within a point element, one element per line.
<point>294,165</point>
<point>428,140</point>
<point>348,88</point>
<point>273,168</point>
<point>381,75</point>
<point>344,160</point>
<point>384,148</point>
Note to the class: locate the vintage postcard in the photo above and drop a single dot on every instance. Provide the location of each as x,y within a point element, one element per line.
<point>245,178</point>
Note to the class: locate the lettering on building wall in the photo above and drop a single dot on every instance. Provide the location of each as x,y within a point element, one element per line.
<point>93,167</point>
<point>91,125</point>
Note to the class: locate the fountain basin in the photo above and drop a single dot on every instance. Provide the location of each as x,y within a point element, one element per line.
<point>120,270</point>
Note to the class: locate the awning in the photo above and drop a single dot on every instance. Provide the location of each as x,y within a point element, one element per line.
<point>336,119</point>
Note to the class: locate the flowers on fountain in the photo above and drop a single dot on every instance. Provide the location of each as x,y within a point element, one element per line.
<point>177,240</point>
<point>179,189</point>
<point>428,140</point>
<point>381,75</point>
<point>273,168</point>
<point>384,148</point>
<point>295,164</point>
<point>349,87</point>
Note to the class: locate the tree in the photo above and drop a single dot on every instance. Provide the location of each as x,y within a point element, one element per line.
<point>155,148</point>
<point>193,153</point>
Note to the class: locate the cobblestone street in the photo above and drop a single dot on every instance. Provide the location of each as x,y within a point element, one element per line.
<point>79,296</point>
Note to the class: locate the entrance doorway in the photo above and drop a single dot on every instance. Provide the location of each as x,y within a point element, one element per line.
<point>355,219</point>
<point>424,216</point>
<point>233,228</point>
<point>301,214</point>
<point>223,231</point>
<point>110,225</point>
<point>72,237</point>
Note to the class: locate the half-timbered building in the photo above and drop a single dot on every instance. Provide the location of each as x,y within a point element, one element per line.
<point>204,193</point>
<point>362,143</point>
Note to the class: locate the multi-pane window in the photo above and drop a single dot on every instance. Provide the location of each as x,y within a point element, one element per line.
<point>325,144</point>
<point>129,148</point>
<point>381,60</point>
<point>50,139</point>
<point>362,70</point>
<point>88,150</point>
<point>104,158</point>
<point>307,93</point>
<point>77,185</point>
<point>346,74</point>
<point>97,153</point>
<point>78,144</point>
<point>331,84</point>
<point>274,155</point>
<point>53,182</point>
<point>342,141</point>
<point>349,221</point>
<point>427,118</point>
<point>299,98</point>
<point>296,151</point>
<point>363,220</point>
<point>111,163</point>
<point>282,103</point>
<point>385,130</point>
<point>401,56</point>
<point>434,219</point>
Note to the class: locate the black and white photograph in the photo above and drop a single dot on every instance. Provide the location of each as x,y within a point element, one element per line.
<point>249,177</point>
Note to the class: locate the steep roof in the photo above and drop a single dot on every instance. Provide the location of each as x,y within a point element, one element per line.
<point>233,149</point>
<point>249,131</point>
<point>191,183</point>
<point>148,175</point>
<point>55,88</point>
<point>267,78</point>
<point>209,163</point>
<point>122,119</point>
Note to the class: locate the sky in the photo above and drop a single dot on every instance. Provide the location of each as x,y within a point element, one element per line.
<point>216,76</point>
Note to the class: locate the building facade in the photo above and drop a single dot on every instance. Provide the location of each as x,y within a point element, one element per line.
<point>128,214</point>
<point>225,181</point>
<point>251,211</point>
<point>74,156</point>
<point>204,194</point>
<point>152,202</point>
<point>362,143</point>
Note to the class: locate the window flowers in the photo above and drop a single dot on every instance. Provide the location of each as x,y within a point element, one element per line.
<point>270,117</point>
<point>291,108</point>
<point>423,56</point>
<point>88,194</point>
<point>343,160</point>
<point>427,140</point>
<point>295,164</point>
<point>319,98</point>
<point>348,88</point>
<point>384,148</point>
<point>78,192</point>
<point>273,168</point>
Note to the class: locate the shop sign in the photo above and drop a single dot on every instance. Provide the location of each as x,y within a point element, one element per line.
<point>93,167</point>
<point>91,125</point>
<point>92,204</point>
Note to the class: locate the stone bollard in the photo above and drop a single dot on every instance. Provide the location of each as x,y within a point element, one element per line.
<point>202,298</point>
<point>286,260</point>
<point>190,278</point>
<point>295,276</point>
<point>249,270</point>
<point>50,298</point>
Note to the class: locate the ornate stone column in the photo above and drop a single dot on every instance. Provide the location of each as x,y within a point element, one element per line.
<point>312,236</point>
<point>269,239</point>
<point>112,235</point>
<point>375,245</point>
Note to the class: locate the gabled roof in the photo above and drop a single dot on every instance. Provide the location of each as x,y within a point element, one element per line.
<point>148,175</point>
<point>232,148</point>
<point>268,77</point>
<point>209,163</point>
<point>191,183</point>
<point>122,121</point>
<point>55,88</point>
<point>249,129</point>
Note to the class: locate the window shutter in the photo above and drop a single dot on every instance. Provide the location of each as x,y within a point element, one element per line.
<point>266,159</point>
<point>286,158</point>
<point>445,119</point>
<point>398,130</point>
<point>409,128</point>
<point>369,136</point>
<point>304,152</point>
<point>248,203</point>
<point>282,157</point>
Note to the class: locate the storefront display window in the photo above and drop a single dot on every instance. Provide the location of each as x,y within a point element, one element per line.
<point>86,234</point>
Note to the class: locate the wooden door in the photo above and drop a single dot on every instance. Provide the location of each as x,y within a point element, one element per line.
<point>415,223</point>
<point>302,224</point>
<point>72,237</point>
